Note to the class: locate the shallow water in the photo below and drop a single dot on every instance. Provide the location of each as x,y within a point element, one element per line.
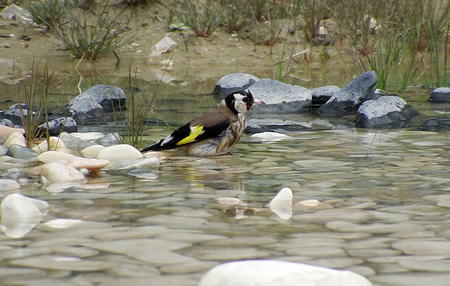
<point>384,214</point>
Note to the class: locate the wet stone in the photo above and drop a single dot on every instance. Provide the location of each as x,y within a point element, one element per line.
<point>423,247</point>
<point>412,279</point>
<point>335,262</point>
<point>3,150</point>
<point>8,185</point>
<point>324,216</point>
<point>225,254</point>
<point>319,251</point>
<point>191,267</point>
<point>53,262</point>
<point>20,152</point>
<point>375,228</point>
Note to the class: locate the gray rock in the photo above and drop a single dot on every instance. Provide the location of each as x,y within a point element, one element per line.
<point>347,100</point>
<point>21,152</point>
<point>437,124</point>
<point>274,125</point>
<point>3,150</point>
<point>280,97</point>
<point>441,94</point>
<point>15,113</point>
<point>233,82</point>
<point>94,102</point>
<point>109,139</point>
<point>385,112</point>
<point>58,125</point>
<point>6,122</point>
<point>321,95</point>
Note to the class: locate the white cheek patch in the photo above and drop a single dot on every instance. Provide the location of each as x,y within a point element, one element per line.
<point>239,104</point>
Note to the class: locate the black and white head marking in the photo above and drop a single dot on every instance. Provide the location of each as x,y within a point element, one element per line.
<point>240,101</point>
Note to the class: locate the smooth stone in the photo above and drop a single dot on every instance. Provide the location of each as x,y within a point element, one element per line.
<point>3,150</point>
<point>327,215</point>
<point>280,273</point>
<point>270,137</point>
<point>6,131</point>
<point>412,279</point>
<point>54,156</point>
<point>55,262</point>
<point>318,251</point>
<point>16,138</point>
<point>120,152</point>
<point>423,247</point>
<point>91,164</point>
<point>155,251</point>
<point>190,267</point>
<point>322,94</point>
<point>437,124</point>
<point>8,185</point>
<point>335,262</point>
<point>92,151</point>
<point>375,228</point>
<point>20,152</point>
<point>371,252</point>
<point>228,201</point>
<point>56,172</point>
<point>25,273</point>
<point>62,223</point>
<point>225,254</point>
<point>281,204</point>
<point>20,214</point>
<point>56,144</point>
<point>125,233</point>
<point>190,237</point>
<point>428,266</point>
<point>233,82</point>
<point>144,163</point>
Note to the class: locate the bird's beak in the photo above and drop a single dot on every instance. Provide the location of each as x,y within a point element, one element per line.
<point>257,101</point>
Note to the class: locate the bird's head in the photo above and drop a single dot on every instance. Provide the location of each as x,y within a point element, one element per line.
<point>241,101</point>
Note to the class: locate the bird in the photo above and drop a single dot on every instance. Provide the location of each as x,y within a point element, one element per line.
<point>213,133</point>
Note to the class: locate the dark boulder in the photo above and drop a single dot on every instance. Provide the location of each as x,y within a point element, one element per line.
<point>95,102</point>
<point>437,124</point>
<point>233,82</point>
<point>347,100</point>
<point>58,125</point>
<point>320,95</point>
<point>385,112</point>
<point>441,94</point>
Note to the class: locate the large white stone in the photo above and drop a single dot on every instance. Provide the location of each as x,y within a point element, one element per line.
<point>16,138</point>
<point>20,214</point>
<point>56,144</point>
<point>92,151</point>
<point>54,156</point>
<point>279,273</point>
<point>56,172</point>
<point>165,45</point>
<point>281,204</point>
<point>120,152</point>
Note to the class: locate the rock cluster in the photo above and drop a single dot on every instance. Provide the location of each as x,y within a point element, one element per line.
<point>290,108</point>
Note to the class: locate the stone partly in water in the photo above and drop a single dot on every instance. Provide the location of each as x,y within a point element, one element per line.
<point>281,204</point>
<point>279,97</point>
<point>3,150</point>
<point>437,124</point>
<point>280,273</point>
<point>20,152</point>
<point>166,45</point>
<point>20,214</point>
<point>120,152</point>
<point>260,125</point>
<point>385,112</point>
<point>92,151</point>
<point>56,144</point>
<point>8,185</point>
<point>56,172</point>
<point>270,137</point>
<point>58,125</point>
<point>320,95</point>
<point>16,113</point>
<point>441,94</point>
<point>233,82</point>
<point>94,102</point>
<point>347,100</point>
<point>54,156</point>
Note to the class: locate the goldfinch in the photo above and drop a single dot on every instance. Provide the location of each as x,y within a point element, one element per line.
<point>213,133</point>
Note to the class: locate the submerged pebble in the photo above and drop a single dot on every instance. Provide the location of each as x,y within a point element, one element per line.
<point>56,172</point>
<point>21,152</point>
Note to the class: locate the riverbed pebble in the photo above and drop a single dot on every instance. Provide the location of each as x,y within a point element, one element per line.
<point>16,138</point>
<point>8,185</point>
<point>19,214</point>
<point>56,144</point>
<point>6,131</point>
<point>120,152</point>
<point>56,172</point>
<point>281,204</point>
<point>54,156</point>
<point>270,137</point>
<point>281,273</point>
<point>91,151</point>
<point>21,152</point>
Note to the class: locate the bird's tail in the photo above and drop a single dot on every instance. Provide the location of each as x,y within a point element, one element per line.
<point>154,147</point>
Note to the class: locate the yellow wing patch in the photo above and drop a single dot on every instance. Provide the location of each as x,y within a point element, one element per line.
<point>195,132</point>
